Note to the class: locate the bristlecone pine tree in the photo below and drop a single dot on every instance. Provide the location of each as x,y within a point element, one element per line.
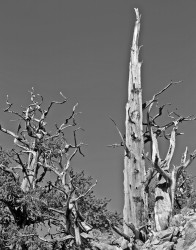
<point>144,132</point>
<point>44,204</point>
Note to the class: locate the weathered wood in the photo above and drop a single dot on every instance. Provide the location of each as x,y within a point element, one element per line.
<point>163,205</point>
<point>136,181</point>
<point>134,164</point>
<point>167,179</point>
<point>31,171</point>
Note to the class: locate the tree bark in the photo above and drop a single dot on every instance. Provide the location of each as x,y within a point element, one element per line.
<point>134,164</point>
<point>29,181</point>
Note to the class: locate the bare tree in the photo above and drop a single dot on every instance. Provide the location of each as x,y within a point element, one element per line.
<point>134,164</point>
<point>135,175</point>
<point>38,152</point>
<point>144,133</point>
<point>167,174</point>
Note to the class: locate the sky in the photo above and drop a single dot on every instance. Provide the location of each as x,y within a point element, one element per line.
<point>82,48</point>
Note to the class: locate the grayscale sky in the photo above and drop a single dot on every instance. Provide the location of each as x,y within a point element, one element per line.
<point>82,49</point>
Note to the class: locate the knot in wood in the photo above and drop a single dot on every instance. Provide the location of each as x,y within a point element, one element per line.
<point>134,116</point>
<point>135,137</point>
<point>136,171</point>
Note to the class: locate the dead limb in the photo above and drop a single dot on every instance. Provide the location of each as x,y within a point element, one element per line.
<point>154,98</point>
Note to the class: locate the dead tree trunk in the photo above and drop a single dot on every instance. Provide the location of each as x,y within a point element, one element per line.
<point>167,174</point>
<point>167,177</point>
<point>134,164</point>
<point>136,180</point>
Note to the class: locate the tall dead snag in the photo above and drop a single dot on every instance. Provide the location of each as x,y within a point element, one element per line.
<point>140,132</point>
<point>134,164</point>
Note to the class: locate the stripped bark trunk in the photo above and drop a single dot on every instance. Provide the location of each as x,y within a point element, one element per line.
<point>134,164</point>
<point>163,204</point>
<point>136,180</point>
<point>167,179</point>
<point>29,177</point>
